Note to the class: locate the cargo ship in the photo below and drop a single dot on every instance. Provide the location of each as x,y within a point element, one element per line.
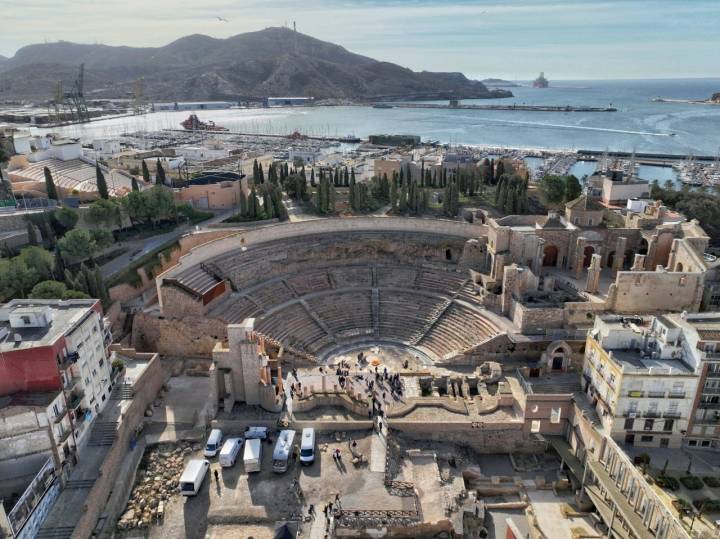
<point>541,81</point>
<point>193,123</point>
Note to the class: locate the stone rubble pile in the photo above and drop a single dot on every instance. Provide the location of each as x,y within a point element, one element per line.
<point>156,482</point>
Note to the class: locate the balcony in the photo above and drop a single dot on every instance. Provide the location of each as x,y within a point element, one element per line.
<point>677,395</point>
<point>709,405</point>
<point>75,399</point>
<point>651,415</point>
<point>70,383</point>
<point>711,374</point>
<point>69,360</point>
<point>64,435</point>
<point>58,418</point>
<point>656,394</point>
<point>672,415</point>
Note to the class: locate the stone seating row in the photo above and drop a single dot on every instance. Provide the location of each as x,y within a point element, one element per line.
<point>435,280</point>
<point>457,329</point>
<point>396,276</point>
<point>404,316</point>
<point>346,314</point>
<point>309,282</point>
<point>272,294</point>
<point>354,276</point>
<point>295,327</point>
<point>234,310</point>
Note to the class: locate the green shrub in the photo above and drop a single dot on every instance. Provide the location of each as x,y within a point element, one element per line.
<point>118,364</point>
<point>682,505</point>
<point>691,482</point>
<point>712,482</point>
<point>667,482</point>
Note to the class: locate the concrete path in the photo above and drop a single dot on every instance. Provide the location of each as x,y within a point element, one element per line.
<point>317,530</point>
<point>378,453</point>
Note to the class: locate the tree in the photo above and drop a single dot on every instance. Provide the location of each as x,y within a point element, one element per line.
<point>16,278</point>
<point>102,237</point>
<point>573,189</point>
<point>159,174</point>
<point>394,196</point>
<point>243,203</point>
<point>145,174</point>
<point>40,260</point>
<point>66,218</point>
<point>101,183</point>
<point>78,244</point>
<point>552,189</point>
<point>103,212</point>
<point>50,185</point>
<point>31,233</point>
<point>59,265</point>
<point>49,290</point>
<point>134,183</point>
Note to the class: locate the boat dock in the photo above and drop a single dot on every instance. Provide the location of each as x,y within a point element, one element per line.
<point>348,139</point>
<point>526,108</point>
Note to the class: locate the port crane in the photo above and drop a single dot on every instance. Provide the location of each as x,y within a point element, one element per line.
<point>71,105</point>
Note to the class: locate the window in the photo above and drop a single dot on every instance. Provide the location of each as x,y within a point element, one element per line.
<point>649,424</point>
<point>555,415</point>
<point>629,423</point>
<point>668,426</point>
<point>705,443</point>
<point>692,443</point>
<point>25,320</point>
<point>646,438</point>
<point>535,426</point>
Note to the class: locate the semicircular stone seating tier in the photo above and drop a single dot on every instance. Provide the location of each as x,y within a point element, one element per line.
<point>429,308</point>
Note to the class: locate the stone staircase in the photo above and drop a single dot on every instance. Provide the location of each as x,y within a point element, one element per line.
<point>79,483</point>
<point>122,392</point>
<point>103,433</point>
<point>378,452</point>
<point>60,532</point>
<point>433,317</point>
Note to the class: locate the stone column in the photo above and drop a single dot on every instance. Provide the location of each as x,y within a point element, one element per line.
<point>650,256</point>
<point>620,248</point>
<point>593,277</point>
<point>508,287</point>
<point>639,263</point>
<point>539,255</point>
<point>579,256</point>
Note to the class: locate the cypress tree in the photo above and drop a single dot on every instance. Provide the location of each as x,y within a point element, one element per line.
<point>253,204</point>
<point>347,177</point>
<point>267,205</point>
<point>261,174</point>
<point>331,199</point>
<point>454,200</point>
<point>101,183</point>
<point>32,235</point>
<point>422,173</point>
<point>135,186</point>
<point>255,171</point>
<point>499,170</point>
<point>243,203</point>
<point>312,177</point>
<point>50,184</point>
<point>145,172</point>
<point>403,202</point>
<point>394,194</point>
<point>59,269</point>
<point>351,194</point>
<point>159,174</point>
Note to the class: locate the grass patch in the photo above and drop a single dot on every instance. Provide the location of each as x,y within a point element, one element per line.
<point>691,482</point>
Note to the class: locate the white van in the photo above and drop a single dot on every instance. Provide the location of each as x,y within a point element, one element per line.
<point>192,477</point>
<point>213,443</point>
<point>252,457</point>
<point>307,446</point>
<point>283,449</point>
<point>229,452</point>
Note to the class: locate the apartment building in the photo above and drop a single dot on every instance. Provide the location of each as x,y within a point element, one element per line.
<point>702,336</point>
<point>57,346</point>
<point>641,377</point>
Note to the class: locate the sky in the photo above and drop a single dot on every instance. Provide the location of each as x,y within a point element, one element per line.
<point>512,39</point>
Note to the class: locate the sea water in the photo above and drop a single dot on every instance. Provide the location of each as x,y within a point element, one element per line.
<point>639,124</point>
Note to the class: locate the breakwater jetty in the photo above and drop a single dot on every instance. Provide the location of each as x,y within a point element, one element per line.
<point>525,108</point>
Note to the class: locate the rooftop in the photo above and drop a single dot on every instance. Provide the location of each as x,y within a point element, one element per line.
<point>41,399</point>
<point>65,315</point>
<point>633,361</point>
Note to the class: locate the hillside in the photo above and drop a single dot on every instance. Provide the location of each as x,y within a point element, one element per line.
<point>274,61</point>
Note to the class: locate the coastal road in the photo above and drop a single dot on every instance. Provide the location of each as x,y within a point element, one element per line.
<point>139,248</point>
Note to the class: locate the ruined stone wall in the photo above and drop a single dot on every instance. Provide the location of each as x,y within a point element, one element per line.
<point>192,336</point>
<point>683,257</point>
<point>540,407</point>
<point>536,319</point>
<point>145,388</point>
<point>648,291</point>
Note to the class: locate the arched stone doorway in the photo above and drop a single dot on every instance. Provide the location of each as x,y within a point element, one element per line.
<point>558,356</point>
<point>679,267</point>
<point>587,255</point>
<point>643,248</point>
<point>550,255</point>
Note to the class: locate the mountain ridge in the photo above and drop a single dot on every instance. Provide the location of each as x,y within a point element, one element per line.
<point>273,61</point>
